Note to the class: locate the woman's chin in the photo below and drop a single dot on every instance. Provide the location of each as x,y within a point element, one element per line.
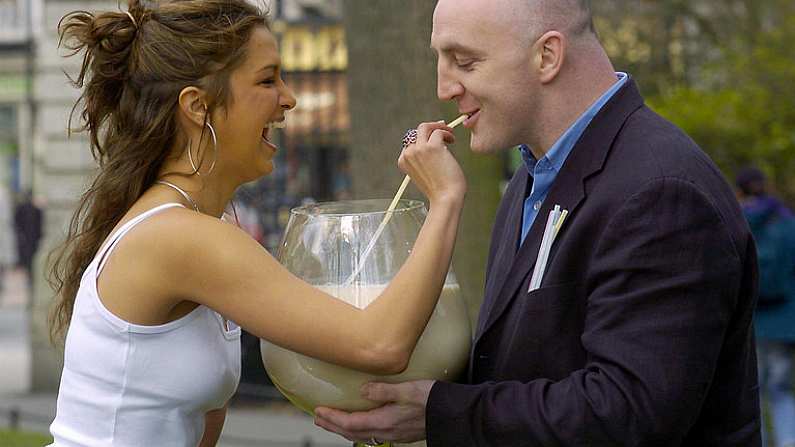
<point>267,169</point>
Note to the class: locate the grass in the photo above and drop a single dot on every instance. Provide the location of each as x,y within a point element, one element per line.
<point>10,438</point>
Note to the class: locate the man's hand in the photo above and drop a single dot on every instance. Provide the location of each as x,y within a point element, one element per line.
<point>401,419</point>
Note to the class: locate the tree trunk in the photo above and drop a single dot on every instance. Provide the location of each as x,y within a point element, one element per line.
<point>392,87</point>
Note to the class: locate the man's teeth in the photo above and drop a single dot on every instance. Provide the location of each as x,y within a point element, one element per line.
<point>276,125</point>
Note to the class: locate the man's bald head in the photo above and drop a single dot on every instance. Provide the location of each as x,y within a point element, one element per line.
<point>571,17</point>
<point>527,20</point>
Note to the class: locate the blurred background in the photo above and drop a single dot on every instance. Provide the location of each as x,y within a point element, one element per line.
<point>363,73</point>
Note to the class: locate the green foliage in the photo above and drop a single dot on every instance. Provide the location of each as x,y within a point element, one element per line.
<point>722,71</point>
<point>23,439</point>
<point>741,109</point>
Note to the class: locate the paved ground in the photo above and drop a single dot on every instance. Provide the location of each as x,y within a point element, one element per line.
<point>275,424</point>
<point>14,334</point>
<point>268,425</point>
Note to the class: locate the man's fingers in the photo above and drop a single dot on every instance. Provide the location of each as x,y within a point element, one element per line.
<point>357,426</point>
<point>328,413</point>
<point>328,426</point>
<point>382,392</point>
<point>338,419</point>
<point>349,422</point>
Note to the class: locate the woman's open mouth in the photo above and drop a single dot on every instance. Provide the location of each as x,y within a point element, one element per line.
<point>266,132</point>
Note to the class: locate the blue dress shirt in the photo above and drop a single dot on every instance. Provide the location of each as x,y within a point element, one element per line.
<point>544,171</point>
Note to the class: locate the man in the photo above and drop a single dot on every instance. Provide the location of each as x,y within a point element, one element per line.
<point>640,332</point>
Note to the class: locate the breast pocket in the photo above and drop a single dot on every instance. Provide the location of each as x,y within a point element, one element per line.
<point>556,295</point>
<point>552,310</point>
<point>543,332</point>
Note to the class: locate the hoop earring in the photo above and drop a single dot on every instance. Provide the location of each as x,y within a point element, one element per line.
<point>215,153</point>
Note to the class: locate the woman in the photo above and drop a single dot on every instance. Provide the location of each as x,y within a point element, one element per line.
<point>179,102</point>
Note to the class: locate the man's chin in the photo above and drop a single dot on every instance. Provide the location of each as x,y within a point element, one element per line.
<point>475,145</point>
<point>479,146</point>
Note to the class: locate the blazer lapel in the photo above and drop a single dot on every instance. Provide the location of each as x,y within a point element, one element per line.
<point>585,160</point>
<point>506,252</point>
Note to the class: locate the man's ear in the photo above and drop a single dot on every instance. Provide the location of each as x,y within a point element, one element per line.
<point>550,52</point>
<point>193,105</point>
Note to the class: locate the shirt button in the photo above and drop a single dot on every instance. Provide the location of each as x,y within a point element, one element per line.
<point>537,205</point>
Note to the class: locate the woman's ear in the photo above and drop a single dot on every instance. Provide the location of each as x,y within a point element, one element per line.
<point>550,54</point>
<point>193,105</point>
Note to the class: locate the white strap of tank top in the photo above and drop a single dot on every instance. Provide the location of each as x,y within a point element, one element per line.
<point>105,251</point>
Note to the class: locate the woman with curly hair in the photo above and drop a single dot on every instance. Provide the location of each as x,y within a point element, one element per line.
<point>179,99</point>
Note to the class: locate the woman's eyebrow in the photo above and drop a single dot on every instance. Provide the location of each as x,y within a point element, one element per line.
<point>268,67</point>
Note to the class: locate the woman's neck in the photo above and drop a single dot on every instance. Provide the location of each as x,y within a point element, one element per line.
<point>211,192</point>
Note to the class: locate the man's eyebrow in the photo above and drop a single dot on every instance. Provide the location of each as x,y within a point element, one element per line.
<point>455,48</point>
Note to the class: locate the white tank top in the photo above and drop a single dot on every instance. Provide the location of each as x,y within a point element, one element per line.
<point>125,384</point>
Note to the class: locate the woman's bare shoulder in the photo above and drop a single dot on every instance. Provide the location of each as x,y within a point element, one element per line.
<point>162,260</point>
<point>179,232</point>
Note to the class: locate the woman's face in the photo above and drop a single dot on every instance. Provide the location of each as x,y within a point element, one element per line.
<point>258,99</point>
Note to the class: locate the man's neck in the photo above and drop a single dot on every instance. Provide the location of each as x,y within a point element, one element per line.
<point>568,100</point>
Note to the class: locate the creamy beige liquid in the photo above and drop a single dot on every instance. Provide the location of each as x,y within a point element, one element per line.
<point>441,353</point>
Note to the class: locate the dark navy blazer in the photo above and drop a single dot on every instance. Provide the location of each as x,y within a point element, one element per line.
<point>641,332</point>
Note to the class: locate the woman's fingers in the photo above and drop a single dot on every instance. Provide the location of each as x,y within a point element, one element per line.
<point>432,167</point>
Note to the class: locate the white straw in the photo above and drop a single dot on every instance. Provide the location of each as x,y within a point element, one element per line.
<point>546,246</point>
<point>388,214</point>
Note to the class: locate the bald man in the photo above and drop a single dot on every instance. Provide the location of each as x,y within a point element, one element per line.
<point>639,331</point>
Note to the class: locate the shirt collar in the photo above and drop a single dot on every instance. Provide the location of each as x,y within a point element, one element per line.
<point>557,154</point>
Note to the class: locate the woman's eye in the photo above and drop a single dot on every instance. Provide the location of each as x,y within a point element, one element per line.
<point>269,81</point>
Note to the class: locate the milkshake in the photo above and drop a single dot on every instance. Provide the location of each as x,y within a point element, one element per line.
<point>441,353</point>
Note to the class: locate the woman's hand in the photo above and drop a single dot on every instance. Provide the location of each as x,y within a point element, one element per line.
<point>430,164</point>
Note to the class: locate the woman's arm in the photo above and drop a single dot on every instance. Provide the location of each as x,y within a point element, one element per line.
<point>192,257</point>
<point>213,425</point>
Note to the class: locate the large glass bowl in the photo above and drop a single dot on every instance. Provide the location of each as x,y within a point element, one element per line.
<point>324,244</point>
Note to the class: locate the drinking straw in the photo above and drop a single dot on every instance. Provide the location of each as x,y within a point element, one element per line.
<point>554,223</point>
<point>543,250</point>
<point>560,221</point>
<point>388,214</point>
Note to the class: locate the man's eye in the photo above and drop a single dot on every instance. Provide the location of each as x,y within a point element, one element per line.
<point>269,81</point>
<point>464,64</point>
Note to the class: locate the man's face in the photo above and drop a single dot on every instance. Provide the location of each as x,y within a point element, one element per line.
<point>485,67</point>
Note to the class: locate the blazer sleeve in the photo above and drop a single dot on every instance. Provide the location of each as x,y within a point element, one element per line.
<point>661,289</point>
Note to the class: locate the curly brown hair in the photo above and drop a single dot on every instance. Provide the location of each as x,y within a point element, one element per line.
<point>135,64</point>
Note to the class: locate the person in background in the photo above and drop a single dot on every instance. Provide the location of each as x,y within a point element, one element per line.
<point>28,228</point>
<point>7,258</point>
<point>773,226</point>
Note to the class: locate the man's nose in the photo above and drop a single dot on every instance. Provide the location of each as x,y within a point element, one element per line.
<point>447,86</point>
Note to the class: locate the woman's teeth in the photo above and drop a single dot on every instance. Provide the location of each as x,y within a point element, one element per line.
<point>277,125</point>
